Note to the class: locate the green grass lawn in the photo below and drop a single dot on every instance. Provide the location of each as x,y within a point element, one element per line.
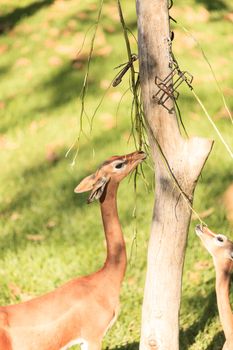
<point>48,234</point>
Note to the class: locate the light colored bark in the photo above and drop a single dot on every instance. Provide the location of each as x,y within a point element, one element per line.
<point>171,214</point>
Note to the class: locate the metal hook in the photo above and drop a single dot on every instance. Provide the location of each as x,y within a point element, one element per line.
<point>126,65</point>
<point>167,88</point>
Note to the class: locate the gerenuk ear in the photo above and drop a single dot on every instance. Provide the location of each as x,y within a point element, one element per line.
<point>98,188</point>
<point>86,184</point>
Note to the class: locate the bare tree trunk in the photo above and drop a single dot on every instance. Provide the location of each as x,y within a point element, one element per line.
<point>171,216</point>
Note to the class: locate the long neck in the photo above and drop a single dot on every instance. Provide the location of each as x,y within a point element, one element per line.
<point>116,254</point>
<point>224,307</point>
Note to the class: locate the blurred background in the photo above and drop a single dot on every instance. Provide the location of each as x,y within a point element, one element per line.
<point>48,234</point>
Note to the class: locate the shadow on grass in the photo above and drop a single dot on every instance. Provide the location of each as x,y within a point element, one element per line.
<point>47,185</point>
<point>208,310</point>
<point>63,87</point>
<point>217,342</point>
<point>216,5</point>
<point>4,70</point>
<point>10,20</point>
<point>36,176</point>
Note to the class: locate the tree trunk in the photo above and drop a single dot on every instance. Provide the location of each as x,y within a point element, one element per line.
<point>171,215</point>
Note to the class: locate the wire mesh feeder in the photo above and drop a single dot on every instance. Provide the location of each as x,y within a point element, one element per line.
<point>167,87</point>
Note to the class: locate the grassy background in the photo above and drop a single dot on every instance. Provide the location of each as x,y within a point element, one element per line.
<point>47,233</point>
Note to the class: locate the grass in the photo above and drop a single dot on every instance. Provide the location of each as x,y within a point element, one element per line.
<point>49,234</point>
